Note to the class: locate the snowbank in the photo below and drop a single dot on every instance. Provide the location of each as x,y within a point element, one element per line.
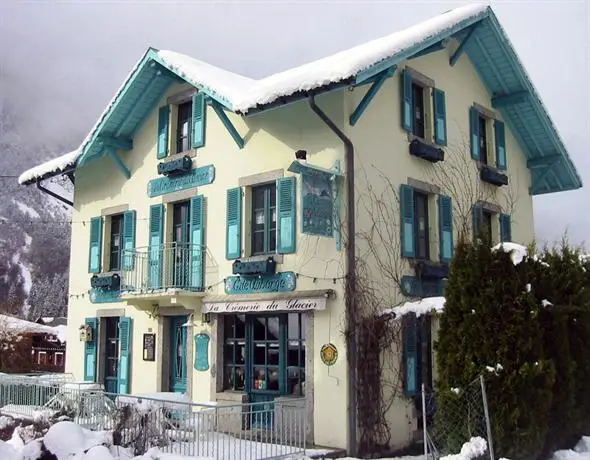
<point>419,307</point>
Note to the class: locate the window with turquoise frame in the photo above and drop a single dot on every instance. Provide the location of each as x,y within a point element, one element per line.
<point>264,219</point>
<point>265,353</point>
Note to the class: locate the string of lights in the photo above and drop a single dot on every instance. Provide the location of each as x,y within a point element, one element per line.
<point>211,286</point>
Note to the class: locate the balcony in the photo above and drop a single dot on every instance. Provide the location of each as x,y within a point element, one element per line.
<point>170,269</point>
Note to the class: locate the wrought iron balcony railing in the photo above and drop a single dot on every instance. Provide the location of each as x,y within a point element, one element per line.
<point>171,266</point>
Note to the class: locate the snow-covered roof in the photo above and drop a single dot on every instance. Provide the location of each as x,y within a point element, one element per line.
<point>21,326</point>
<point>243,93</point>
<point>57,165</point>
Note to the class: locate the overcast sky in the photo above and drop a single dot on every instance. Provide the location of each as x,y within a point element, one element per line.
<point>67,58</point>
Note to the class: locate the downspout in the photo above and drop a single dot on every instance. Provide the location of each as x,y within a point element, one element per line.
<point>350,284</point>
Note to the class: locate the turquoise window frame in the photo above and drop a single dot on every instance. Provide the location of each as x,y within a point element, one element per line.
<point>115,264</point>
<point>232,365</point>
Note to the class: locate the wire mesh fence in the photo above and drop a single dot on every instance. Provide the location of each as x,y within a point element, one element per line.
<point>454,417</point>
<point>252,431</point>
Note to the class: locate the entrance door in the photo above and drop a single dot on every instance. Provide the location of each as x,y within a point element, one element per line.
<point>181,240</point>
<point>111,359</point>
<point>266,380</point>
<point>177,383</point>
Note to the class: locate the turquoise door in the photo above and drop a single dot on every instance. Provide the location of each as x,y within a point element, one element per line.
<point>178,346</point>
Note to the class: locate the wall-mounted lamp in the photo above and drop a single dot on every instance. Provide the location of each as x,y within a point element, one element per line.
<point>301,155</point>
<point>205,318</point>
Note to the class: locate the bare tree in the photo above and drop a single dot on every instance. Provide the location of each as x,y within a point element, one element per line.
<point>379,273</point>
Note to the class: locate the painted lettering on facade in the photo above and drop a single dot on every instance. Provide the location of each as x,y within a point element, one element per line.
<point>281,282</point>
<point>195,178</point>
<point>315,303</point>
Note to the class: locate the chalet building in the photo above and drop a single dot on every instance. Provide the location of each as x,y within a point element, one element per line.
<point>48,352</point>
<point>217,218</point>
<point>31,347</point>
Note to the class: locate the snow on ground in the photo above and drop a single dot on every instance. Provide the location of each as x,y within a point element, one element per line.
<point>581,451</point>
<point>26,209</point>
<point>419,307</point>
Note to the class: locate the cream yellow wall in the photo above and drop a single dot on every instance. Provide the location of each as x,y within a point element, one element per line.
<point>381,146</point>
<point>384,163</point>
<point>271,140</point>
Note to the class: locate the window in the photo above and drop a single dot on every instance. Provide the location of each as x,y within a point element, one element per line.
<point>483,139</point>
<point>417,341</point>
<point>418,110</point>
<point>116,242</point>
<point>487,137</point>
<point>42,357</point>
<point>59,359</point>
<point>421,225</point>
<point>234,352</point>
<point>183,127</point>
<point>265,353</point>
<point>264,219</point>
<point>423,108</point>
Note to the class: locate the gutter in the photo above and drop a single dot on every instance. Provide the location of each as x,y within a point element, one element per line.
<point>350,285</point>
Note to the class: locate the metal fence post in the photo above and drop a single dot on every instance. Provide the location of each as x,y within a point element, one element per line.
<point>424,423</point>
<point>484,397</point>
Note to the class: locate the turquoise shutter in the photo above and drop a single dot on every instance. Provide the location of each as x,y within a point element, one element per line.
<point>407,220</point>
<point>198,120</point>
<point>445,225</point>
<point>286,215</point>
<point>163,128</point>
<point>505,228</point>
<point>90,351</point>
<point>500,135</point>
<point>407,103</point>
<point>440,116</point>
<point>477,217</point>
<point>197,241</point>
<point>155,246</point>
<point>128,240</point>
<point>411,365</point>
<point>125,336</point>
<point>95,251</point>
<point>233,242</point>
<point>474,132</point>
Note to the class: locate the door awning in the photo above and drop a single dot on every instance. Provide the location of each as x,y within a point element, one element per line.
<point>280,302</point>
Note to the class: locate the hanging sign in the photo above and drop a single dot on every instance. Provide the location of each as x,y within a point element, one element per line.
<point>201,352</point>
<point>302,304</point>
<point>329,354</point>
